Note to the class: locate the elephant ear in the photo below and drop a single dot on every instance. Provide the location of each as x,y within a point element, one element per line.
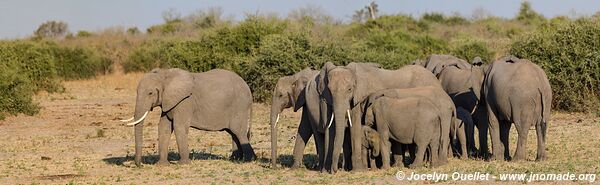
<point>362,84</point>
<point>177,86</point>
<point>299,93</point>
<point>323,76</point>
<point>477,61</point>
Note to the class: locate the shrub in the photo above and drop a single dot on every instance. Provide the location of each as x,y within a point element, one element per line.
<point>570,55</point>
<point>79,63</point>
<point>469,49</point>
<point>27,67</point>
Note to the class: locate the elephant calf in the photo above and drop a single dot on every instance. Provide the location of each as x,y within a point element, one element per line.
<point>216,100</point>
<point>408,120</point>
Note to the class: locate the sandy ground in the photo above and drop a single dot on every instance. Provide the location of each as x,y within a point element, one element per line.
<point>77,139</point>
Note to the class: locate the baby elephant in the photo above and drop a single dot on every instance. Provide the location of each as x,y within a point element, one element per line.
<point>371,146</point>
<point>460,129</point>
<point>407,120</point>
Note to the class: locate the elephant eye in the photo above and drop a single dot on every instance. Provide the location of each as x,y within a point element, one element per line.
<point>150,93</point>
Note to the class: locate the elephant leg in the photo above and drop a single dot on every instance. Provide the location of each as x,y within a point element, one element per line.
<point>462,139</point>
<point>398,154</point>
<point>242,137</point>
<point>181,126</point>
<point>302,137</point>
<point>522,132</point>
<point>356,135</point>
<point>385,149</point>
<point>470,137</point>
<point>328,150</point>
<point>504,133</point>
<point>319,143</point>
<point>482,123</point>
<point>497,147</point>
<point>420,155</point>
<point>433,146</point>
<point>237,153</point>
<point>348,151</point>
<point>164,135</point>
<point>540,129</point>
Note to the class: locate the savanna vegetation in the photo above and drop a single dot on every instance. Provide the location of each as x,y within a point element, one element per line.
<point>264,47</point>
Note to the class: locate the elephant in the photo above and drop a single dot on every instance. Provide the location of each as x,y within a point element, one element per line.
<point>298,91</point>
<point>408,120</point>
<point>435,94</point>
<point>462,126</point>
<point>371,146</point>
<point>517,91</point>
<point>343,87</point>
<point>216,100</point>
<point>436,63</point>
<point>463,82</point>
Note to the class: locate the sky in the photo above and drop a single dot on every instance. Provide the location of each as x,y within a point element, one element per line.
<point>19,18</point>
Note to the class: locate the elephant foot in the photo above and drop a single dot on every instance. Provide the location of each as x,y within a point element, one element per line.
<point>184,161</point>
<point>236,156</point>
<point>163,163</point>
<point>296,165</point>
<point>540,158</point>
<point>414,166</point>
<point>249,157</point>
<point>385,167</point>
<point>359,169</point>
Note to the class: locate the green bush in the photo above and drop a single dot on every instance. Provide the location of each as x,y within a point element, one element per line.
<point>569,53</point>
<point>469,49</point>
<point>27,67</point>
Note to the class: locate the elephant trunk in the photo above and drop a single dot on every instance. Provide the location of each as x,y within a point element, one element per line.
<point>340,126</point>
<point>139,115</point>
<point>275,111</point>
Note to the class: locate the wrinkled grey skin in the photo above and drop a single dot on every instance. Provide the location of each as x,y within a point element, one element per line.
<point>215,100</point>
<point>372,144</point>
<point>406,120</point>
<point>343,87</point>
<point>517,91</point>
<point>437,63</point>
<point>292,91</point>
<point>433,94</point>
<point>463,82</point>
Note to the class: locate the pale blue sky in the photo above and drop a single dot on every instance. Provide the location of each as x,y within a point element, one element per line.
<point>19,18</point>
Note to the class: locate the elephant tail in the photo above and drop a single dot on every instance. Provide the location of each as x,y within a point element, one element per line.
<point>249,123</point>
<point>545,113</point>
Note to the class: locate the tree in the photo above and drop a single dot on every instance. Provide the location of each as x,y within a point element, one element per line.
<point>52,29</point>
<point>171,15</point>
<point>366,13</point>
<point>528,15</point>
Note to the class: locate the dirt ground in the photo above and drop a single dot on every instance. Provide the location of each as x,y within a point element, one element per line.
<point>77,139</point>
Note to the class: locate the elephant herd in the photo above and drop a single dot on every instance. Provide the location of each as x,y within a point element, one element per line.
<point>429,110</point>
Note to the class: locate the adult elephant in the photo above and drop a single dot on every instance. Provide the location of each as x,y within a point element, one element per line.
<point>436,63</point>
<point>344,87</point>
<point>298,91</point>
<point>517,91</point>
<point>464,87</point>
<point>215,100</point>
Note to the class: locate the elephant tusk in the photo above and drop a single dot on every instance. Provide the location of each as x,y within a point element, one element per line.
<point>276,120</point>
<point>127,120</point>
<point>139,120</point>
<point>349,117</point>
<point>331,121</point>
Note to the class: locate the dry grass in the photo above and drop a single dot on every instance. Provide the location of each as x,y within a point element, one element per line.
<point>64,144</point>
